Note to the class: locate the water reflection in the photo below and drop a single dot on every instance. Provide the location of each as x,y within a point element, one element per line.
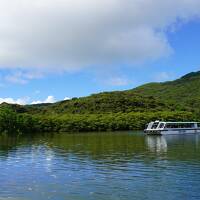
<point>100,146</point>
<point>156,143</point>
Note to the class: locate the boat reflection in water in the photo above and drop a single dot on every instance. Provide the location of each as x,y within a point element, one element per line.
<point>156,143</point>
<point>161,143</point>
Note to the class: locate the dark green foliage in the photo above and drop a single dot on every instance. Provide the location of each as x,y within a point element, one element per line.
<point>13,123</point>
<point>8,120</point>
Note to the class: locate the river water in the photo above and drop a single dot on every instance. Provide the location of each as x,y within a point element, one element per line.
<point>99,166</point>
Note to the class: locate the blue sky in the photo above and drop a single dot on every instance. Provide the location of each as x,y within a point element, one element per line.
<point>39,68</point>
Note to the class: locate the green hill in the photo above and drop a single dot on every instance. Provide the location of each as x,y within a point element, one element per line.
<point>181,94</point>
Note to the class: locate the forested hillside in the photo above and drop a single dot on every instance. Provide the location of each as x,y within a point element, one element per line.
<point>182,94</point>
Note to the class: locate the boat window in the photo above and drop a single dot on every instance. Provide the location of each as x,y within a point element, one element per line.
<point>170,126</point>
<point>189,125</point>
<point>198,125</point>
<point>180,125</point>
<point>155,125</point>
<point>161,125</point>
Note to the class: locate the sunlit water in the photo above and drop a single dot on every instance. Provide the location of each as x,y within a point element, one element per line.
<point>99,166</point>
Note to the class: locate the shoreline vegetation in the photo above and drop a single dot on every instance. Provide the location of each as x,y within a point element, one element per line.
<point>14,123</point>
<point>177,100</point>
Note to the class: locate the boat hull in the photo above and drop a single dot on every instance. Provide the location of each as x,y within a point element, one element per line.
<point>172,132</point>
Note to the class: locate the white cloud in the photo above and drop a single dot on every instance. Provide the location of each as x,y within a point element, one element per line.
<point>74,34</point>
<point>26,100</point>
<point>49,99</point>
<point>22,77</point>
<point>20,101</point>
<point>67,98</point>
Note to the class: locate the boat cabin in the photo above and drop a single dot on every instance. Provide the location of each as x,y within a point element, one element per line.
<point>162,127</point>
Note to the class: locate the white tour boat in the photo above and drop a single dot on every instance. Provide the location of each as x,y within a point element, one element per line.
<point>165,128</point>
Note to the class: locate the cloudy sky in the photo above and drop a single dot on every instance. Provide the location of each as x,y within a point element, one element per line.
<point>53,50</point>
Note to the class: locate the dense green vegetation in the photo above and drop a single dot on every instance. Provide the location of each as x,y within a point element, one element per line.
<point>11,122</point>
<point>183,93</point>
<point>177,100</point>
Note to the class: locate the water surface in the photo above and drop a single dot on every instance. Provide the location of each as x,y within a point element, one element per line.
<point>99,166</point>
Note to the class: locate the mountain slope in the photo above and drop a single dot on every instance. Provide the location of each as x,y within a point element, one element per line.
<point>181,94</point>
